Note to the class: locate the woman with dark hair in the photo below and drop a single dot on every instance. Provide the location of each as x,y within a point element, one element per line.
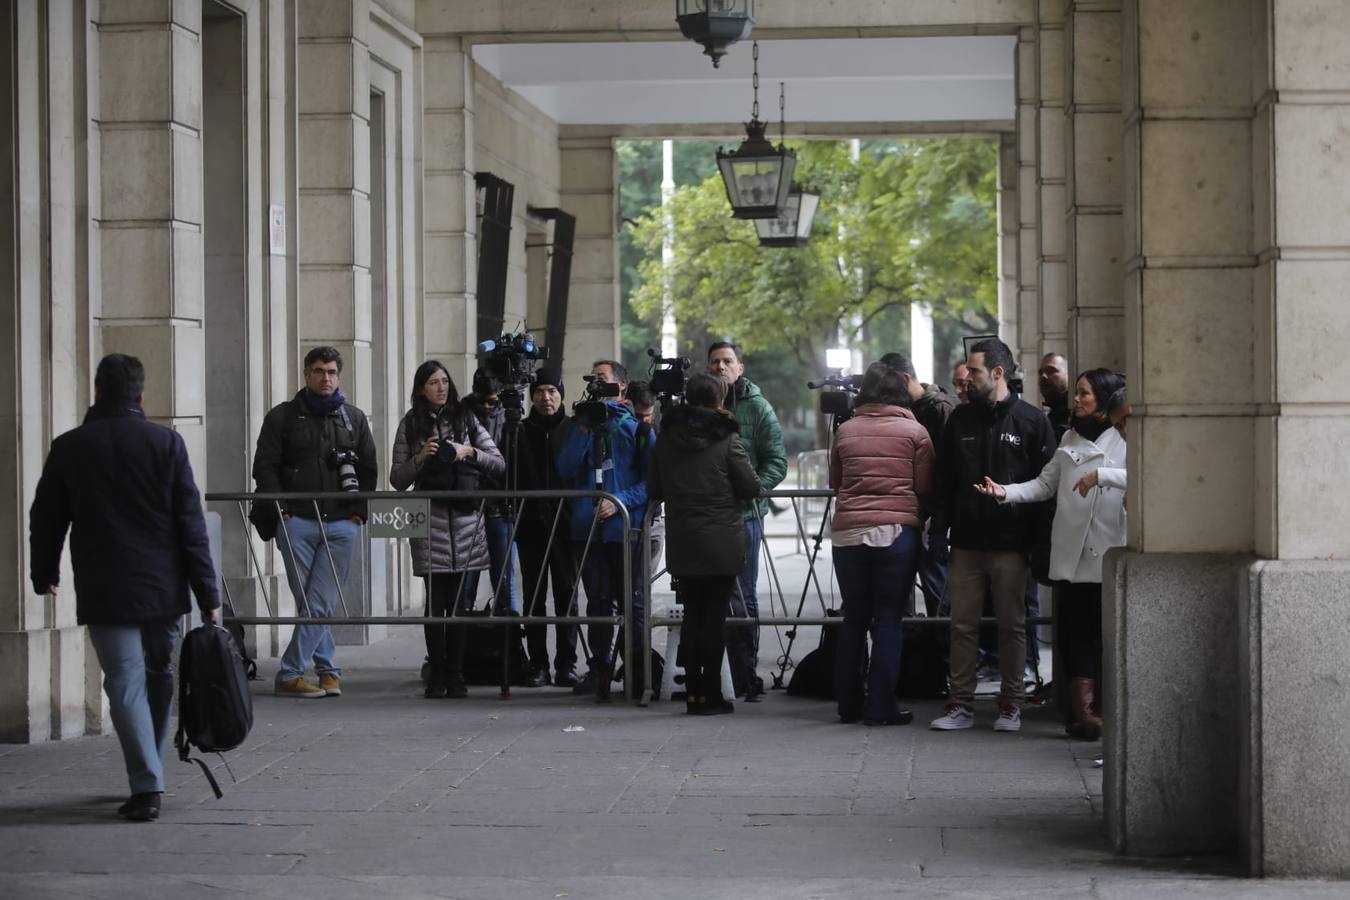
<point>880,469</point>
<point>703,474</point>
<point>440,445</point>
<point>1086,478</point>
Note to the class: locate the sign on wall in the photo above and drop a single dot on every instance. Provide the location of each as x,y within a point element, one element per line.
<point>276,230</point>
<point>400,519</point>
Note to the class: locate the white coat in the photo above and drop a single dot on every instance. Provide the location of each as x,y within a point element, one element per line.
<point>1085,527</point>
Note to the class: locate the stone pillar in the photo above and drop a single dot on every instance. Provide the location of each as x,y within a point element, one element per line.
<point>1026,341</point>
<point>449,236</point>
<point>333,104</point>
<point>1052,191</point>
<point>1092,130</point>
<point>590,192</point>
<point>1295,798</point>
<point>1171,600</point>
<point>1008,232</point>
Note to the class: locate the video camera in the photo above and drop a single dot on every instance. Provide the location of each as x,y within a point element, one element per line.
<point>510,361</point>
<point>591,410</point>
<point>837,395</point>
<point>667,377</point>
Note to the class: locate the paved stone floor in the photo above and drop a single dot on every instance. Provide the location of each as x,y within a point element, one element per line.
<point>383,794</point>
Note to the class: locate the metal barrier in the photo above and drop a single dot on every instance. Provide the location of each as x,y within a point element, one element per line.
<point>619,620</point>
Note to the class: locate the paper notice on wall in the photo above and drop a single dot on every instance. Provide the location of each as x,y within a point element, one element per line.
<point>276,229</point>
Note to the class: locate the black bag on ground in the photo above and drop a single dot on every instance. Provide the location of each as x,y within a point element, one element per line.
<point>923,663</point>
<point>483,647</point>
<point>814,675</point>
<point>215,707</point>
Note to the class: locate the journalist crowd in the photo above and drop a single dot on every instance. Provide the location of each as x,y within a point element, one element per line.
<point>983,500</point>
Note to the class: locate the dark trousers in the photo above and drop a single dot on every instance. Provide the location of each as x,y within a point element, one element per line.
<point>445,643</point>
<point>933,583</point>
<point>743,640</point>
<point>702,636</point>
<point>602,574</point>
<point>538,563</point>
<point>1078,615</point>
<point>877,586</point>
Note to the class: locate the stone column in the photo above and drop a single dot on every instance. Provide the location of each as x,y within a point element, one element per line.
<point>1009,229</point>
<point>1092,129</point>
<point>1051,192</point>
<point>449,236</point>
<point>1293,625</point>
<point>1171,601</point>
<point>590,192</point>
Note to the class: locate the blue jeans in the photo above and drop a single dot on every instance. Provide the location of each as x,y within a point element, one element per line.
<point>743,641</point>
<point>311,576</point>
<point>502,555</point>
<point>876,584</point>
<point>602,576</point>
<point>137,662</point>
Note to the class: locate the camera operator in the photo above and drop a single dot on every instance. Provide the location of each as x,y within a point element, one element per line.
<point>643,402</point>
<point>763,440</point>
<point>701,471</point>
<point>609,371</point>
<point>315,442</point>
<point>484,403</point>
<point>540,558</point>
<point>600,448</point>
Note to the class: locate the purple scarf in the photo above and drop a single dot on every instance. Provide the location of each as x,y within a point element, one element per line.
<point>320,405</point>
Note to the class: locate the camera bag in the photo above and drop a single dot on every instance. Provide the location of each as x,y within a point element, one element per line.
<point>215,706</point>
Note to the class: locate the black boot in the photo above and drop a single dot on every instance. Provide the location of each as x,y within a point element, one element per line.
<point>141,807</point>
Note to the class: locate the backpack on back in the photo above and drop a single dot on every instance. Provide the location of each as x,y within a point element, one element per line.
<point>215,707</point>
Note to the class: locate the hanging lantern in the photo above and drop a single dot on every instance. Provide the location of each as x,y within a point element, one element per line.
<point>757,174</point>
<point>716,24</point>
<point>792,228</point>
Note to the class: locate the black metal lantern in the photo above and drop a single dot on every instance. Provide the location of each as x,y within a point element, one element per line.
<point>757,174</point>
<point>716,24</point>
<point>792,228</point>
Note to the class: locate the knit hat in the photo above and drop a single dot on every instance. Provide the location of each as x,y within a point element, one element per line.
<point>548,376</point>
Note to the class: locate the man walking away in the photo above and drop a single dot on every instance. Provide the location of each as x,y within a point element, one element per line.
<point>124,489</point>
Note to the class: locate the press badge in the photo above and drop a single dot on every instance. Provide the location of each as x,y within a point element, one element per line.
<point>607,466</point>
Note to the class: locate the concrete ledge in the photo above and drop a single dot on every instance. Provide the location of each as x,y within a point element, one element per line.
<point>1295,796</point>
<point>1172,688</point>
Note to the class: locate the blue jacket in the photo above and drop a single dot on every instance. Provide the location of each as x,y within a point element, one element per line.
<point>625,471</point>
<point>124,488</point>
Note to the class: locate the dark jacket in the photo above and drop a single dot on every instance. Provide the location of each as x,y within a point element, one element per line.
<point>932,410</point>
<point>293,452</point>
<point>494,423</point>
<point>703,474</point>
<point>1010,442</point>
<point>880,467</point>
<point>762,437</point>
<point>1060,416</point>
<point>623,466</point>
<point>124,488</point>
<point>535,471</point>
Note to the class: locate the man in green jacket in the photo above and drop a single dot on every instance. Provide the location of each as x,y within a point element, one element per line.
<point>763,440</point>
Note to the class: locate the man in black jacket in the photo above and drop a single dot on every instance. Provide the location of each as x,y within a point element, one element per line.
<point>124,489</point>
<point>315,442</point>
<point>1053,380</point>
<point>998,435</point>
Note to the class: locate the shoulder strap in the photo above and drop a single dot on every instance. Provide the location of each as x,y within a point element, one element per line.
<point>347,421</point>
<point>644,434</point>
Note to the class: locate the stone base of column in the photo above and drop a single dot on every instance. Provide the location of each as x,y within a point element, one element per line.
<point>1294,630</point>
<point>1173,681</point>
<point>47,677</point>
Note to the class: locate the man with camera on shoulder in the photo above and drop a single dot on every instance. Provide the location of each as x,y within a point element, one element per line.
<point>315,442</point>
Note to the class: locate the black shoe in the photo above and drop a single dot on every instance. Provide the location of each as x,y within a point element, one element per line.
<point>754,689</point>
<point>455,688</point>
<point>586,685</point>
<point>536,678</point>
<point>435,691</point>
<point>716,706</point>
<point>849,720</point>
<point>904,717</point>
<point>566,678</point>
<point>141,807</point>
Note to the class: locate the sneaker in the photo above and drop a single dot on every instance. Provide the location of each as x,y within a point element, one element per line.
<point>330,684</point>
<point>1008,720</point>
<point>954,718</point>
<point>299,687</point>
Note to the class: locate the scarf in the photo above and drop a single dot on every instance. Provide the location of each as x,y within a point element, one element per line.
<point>320,405</point>
<point>1091,427</point>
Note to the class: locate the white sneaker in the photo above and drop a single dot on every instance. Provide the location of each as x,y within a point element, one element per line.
<point>1008,720</point>
<point>954,718</point>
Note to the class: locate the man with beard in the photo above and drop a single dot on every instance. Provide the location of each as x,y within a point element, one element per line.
<point>1053,378</point>
<point>994,432</point>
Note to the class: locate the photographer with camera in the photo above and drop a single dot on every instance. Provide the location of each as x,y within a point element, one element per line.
<point>440,446</point>
<point>316,442</point>
<point>599,450</point>
<point>484,403</point>
<point>763,440</point>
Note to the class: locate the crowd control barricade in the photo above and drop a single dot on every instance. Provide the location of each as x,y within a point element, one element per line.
<point>808,506</point>
<point>407,513</point>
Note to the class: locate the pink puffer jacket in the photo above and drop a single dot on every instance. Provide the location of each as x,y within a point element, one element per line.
<point>881,468</point>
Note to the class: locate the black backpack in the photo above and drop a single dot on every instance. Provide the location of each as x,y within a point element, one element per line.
<point>215,707</point>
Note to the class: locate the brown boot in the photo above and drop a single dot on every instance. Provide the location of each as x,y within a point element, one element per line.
<point>1086,724</point>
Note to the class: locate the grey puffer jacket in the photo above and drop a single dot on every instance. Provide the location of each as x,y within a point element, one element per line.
<point>458,540</point>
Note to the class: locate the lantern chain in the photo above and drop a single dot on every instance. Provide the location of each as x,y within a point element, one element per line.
<point>754,81</point>
<point>782,113</point>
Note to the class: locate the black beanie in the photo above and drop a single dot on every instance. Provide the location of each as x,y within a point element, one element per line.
<point>549,376</point>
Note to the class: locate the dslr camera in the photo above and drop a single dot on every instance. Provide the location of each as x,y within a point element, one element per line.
<point>591,410</point>
<point>666,374</point>
<point>344,460</point>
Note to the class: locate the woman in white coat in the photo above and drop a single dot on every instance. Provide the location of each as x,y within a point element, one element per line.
<point>1086,477</point>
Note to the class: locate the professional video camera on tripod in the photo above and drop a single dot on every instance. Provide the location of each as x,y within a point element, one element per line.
<point>667,377</point>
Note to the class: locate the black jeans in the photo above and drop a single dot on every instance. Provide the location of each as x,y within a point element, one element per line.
<point>1078,613</point>
<point>445,643</point>
<point>702,639</point>
<point>537,560</point>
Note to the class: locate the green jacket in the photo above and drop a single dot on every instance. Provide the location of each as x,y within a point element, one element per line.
<point>762,438</point>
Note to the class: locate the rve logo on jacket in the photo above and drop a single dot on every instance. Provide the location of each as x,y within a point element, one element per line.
<point>1014,439</point>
